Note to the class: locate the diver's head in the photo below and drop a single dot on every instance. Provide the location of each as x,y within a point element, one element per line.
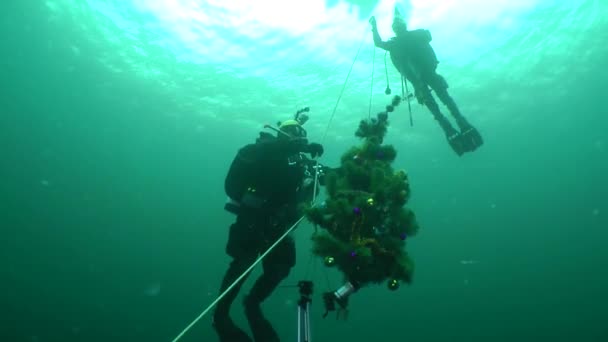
<point>301,117</point>
<point>399,27</point>
<point>291,129</point>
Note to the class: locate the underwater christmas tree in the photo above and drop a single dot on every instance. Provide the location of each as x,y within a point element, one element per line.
<point>364,219</point>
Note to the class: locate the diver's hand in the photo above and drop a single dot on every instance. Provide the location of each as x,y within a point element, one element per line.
<point>315,150</point>
<point>372,22</point>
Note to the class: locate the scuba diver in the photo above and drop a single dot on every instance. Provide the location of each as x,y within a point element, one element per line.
<point>415,59</point>
<point>267,183</point>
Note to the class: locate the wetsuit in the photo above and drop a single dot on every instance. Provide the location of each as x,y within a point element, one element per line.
<point>413,56</point>
<point>277,168</point>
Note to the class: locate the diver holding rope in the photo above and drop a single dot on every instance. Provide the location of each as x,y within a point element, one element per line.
<point>415,59</point>
<point>267,183</point>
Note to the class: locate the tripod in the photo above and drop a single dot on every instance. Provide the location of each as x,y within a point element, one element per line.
<point>304,310</point>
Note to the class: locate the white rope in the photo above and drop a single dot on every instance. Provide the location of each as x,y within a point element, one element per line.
<point>236,281</point>
<point>343,88</point>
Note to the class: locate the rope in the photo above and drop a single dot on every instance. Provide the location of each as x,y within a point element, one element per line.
<point>237,280</point>
<point>388,88</point>
<point>409,105</point>
<point>371,88</point>
<point>342,91</point>
<point>333,113</point>
<point>316,186</point>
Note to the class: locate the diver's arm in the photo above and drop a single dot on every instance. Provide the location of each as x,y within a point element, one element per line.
<point>378,40</point>
<point>283,148</point>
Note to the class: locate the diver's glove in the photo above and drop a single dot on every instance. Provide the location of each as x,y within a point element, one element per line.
<point>314,149</point>
<point>372,21</point>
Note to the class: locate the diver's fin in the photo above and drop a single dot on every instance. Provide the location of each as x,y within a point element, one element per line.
<point>471,138</point>
<point>454,138</point>
<point>457,143</point>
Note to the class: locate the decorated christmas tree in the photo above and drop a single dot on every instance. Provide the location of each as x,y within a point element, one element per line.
<point>365,222</point>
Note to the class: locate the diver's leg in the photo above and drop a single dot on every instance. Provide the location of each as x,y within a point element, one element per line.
<point>277,266</point>
<point>242,249</point>
<point>440,86</point>
<point>451,133</point>
<point>471,137</point>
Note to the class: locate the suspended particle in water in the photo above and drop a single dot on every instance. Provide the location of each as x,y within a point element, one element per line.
<point>468,262</point>
<point>599,144</point>
<point>152,290</point>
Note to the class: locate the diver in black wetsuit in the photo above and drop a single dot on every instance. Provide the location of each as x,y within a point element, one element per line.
<point>413,56</point>
<point>266,183</point>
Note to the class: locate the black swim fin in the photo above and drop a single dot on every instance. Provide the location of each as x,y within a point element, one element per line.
<point>454,138</point>
<point>471,138</point>
<point>457,143</point>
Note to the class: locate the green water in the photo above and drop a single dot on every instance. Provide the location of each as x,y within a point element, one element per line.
<point>118,121</point>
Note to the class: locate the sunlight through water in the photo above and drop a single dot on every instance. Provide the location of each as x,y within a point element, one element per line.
<point>268,54</point>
